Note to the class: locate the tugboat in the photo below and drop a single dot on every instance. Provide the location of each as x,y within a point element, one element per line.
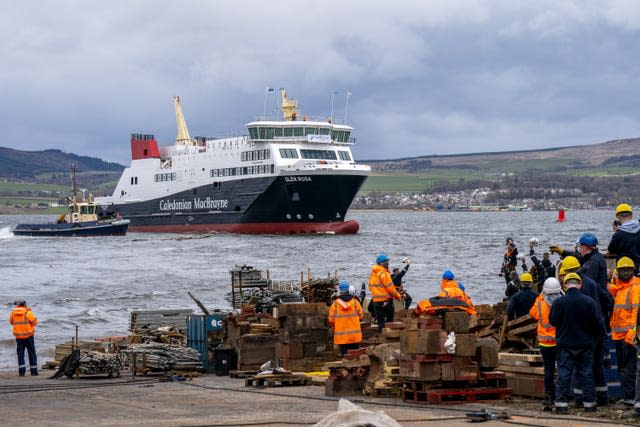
<point>289,175</point>
<point>82,220</point>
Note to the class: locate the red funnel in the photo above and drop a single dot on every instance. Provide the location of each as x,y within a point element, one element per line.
<point>561,217</point>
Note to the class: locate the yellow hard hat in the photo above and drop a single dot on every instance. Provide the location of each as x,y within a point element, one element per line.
<point>562,271</point>
<point>526,277</point>
<point>571,276</point>
<point>570,262</point>
<point>625,262</point>
<point>623,207</point>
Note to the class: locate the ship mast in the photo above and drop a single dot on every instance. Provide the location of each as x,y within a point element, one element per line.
<point>74,183</point>
<point>289,106</point>
<point>183,137</point>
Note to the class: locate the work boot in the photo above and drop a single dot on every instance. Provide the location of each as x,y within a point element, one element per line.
<point>34,373</point>
<point>547,403</point>
<point>602,400</point>
<point>562,410</point>
<point>21,374</point>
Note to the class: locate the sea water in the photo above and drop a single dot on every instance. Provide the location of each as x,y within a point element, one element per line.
<point>95,282</point>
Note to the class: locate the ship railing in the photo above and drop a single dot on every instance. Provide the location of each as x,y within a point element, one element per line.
<point>299,118</point>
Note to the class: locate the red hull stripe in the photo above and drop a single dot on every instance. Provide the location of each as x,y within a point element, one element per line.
<point>347,227</point>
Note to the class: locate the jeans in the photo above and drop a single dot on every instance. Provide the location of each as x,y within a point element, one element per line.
<point>581,360</point>
<point>549,361</point>
<point>407,301</point>
<point>30,345</point>
<point>627,361</point>
<point>384,313</point>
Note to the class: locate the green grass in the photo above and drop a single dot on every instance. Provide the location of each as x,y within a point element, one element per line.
<point>17,187</point>
<point>415,183</point>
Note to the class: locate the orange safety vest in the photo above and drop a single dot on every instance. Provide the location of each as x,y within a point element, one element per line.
<point>625,309</point>
<point>546,332</point>
<point>433,305</point>
<point>450,289</point>
<point>344,317</point>
<point>23,321</point>
<point>381,285</point>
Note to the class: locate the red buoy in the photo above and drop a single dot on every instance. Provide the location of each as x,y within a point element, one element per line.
<point>561,217</point>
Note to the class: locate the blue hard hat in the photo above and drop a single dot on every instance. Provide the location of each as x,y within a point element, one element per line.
<point>343,287</point>
<point>588,239</point>
<point>448,274</point>
<point>382,258</point>
<point>461,286</point>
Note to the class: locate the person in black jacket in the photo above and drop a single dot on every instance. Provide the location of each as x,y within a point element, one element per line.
<point>544,269</point>
<point>578,325</point>
<point>604,304</point>
<point>592,261</point>
<point>626,240</point>
<point>523,300</point>
<point>509,260</point>
<point>397,275</point>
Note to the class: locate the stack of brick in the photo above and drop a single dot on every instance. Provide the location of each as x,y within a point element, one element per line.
<point>347,376</point>
<point>303,337</point>
<point>429,370</point>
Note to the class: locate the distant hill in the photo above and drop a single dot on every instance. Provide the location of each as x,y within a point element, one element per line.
<point>29,165</point>
<point>616,153</point>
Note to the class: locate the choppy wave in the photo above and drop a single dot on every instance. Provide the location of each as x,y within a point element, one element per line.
<point>5,232</point>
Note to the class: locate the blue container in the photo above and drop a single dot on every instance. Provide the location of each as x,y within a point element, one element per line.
<point>198,327</point>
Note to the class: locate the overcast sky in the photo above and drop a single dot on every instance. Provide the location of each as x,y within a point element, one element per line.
<point>427,77</point>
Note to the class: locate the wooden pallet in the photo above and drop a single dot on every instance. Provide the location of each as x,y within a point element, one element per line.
<point>242,374</point>
<point>276,381</point>
<point>456,395</point>
<point>493,379</point>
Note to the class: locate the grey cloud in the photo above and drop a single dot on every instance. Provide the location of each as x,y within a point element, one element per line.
<point>426,77</point>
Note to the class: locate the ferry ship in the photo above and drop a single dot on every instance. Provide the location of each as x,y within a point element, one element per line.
<point>289,175</point>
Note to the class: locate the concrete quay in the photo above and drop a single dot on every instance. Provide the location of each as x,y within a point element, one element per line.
<point>223,401</point>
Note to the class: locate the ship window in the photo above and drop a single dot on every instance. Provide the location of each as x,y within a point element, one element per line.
<point>238,171</point>
<point>318,154</point>
<point>269,133</point>
<point>173,176</point>
<point>288,153</point>
<point>346,136</point>
<point>298,131</point>
<point>324,131</point>
<point>309,131</point>
<point>334,135</point>
<point>277,132</point>
<point>288,131</point>
<point>344,155</point>
<point>253,133</point>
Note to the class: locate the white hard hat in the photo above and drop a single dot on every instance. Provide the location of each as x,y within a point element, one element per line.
<point>534,241</point>
<point>552,286</point>
<point>352,290</point>
<point>520,257</point>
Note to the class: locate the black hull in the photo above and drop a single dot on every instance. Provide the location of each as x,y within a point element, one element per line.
<point>85,229</point>
<point>291,204</point>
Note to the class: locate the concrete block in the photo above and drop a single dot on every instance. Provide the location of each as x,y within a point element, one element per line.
<point>487,353</point>
<point>425,371</point>
<point>465,345</point>
<point>285,310</point>
<point>456,321</point>
<point>421,341</point>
